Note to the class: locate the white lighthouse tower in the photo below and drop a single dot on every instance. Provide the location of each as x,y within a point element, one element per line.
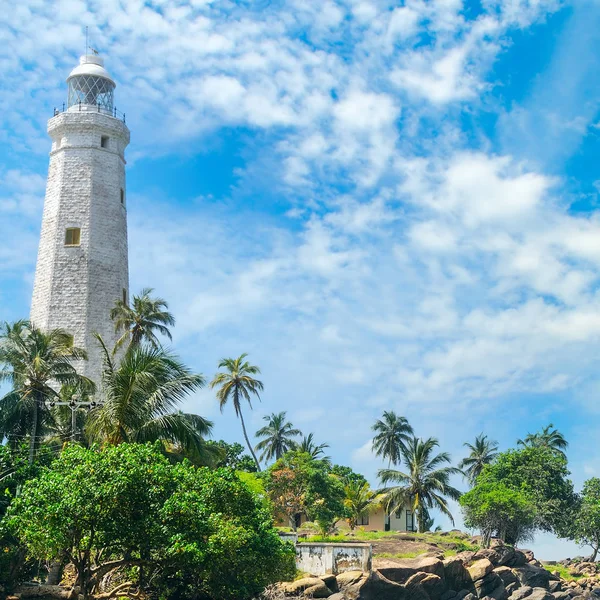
<point>82,265</point>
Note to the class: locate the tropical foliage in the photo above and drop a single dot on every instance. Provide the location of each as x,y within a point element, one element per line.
<point>482,452</point>
<point>359,501</point>
<point>277,437</point>
<point>235,384</point>
<point>193,532</point>
<point>425,484</point>
<point>34,362</point>
<point>546,438</point>
<point>586,523</point>
<point>141,321</point>
<point>392,433</point>
<point>309,446</point>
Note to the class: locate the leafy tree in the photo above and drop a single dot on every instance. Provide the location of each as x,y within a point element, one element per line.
<point>347,475</point>
<point>194,533</point>
<point>359,501</point>
<point>231,455</point>
<point>297,483</point>
<point>33,362</point>
<point>547,438</point>
<point>496,509</point>
<point>586,524</point>
<point>482,452</point>
<point>141,321</point>
<point>139,395</point>
<point>541,474</point>
<point>425,485</point>
<point>277,434</point>
<point>309,446</point>
<point>237,384</point>
<point>392,433</point>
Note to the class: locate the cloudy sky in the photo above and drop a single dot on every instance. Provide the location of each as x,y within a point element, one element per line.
<point>388,205</point>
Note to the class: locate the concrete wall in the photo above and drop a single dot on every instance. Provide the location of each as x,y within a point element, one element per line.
<point>319,559</point>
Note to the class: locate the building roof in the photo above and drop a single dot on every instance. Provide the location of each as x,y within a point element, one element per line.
<point>91,64</point>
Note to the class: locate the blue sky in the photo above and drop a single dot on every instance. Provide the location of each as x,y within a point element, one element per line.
<point>389,205</point>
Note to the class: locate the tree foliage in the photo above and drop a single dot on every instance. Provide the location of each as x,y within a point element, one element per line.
<point>497,510</point>
<point>297,483</point>
<point>542,475</point>
<point>277,437</point>
<point>586,522</point>
<point>482,452</point>
<point>192,532</point>
<point>546,438</point>
<point>359,501</point>
<point>392,433</point>
<point>425,485</point>
<point>231,455</point>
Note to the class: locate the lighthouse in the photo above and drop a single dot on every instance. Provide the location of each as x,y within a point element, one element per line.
<point>82,264</point>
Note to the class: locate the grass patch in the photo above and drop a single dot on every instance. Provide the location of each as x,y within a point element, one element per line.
<point>563,572</point>
<point>397,555</point>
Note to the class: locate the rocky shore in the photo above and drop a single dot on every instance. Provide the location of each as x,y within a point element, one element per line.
<point>499,573</point>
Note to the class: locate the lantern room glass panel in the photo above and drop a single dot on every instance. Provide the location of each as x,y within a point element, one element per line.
<point>91,90</point>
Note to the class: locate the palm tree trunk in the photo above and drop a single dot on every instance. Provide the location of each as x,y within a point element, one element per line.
<point>34,429</point>
<point>248,442</point>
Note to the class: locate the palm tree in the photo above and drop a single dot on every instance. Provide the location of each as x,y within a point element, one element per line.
<point>426,483</point>
<point>482,453</point>
<point>547,438</point>
<point>316,451</point>
<point>238,384</point>
<point>140,321</point>
<point>278,436</point>
<point>391,434</point>
<point>34,362</point>
<point>139,397</point>
<point>359,501</point>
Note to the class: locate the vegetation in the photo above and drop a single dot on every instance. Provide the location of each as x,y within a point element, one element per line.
<point>230,455</point>
<point>141,321</point>
<point>359,501</point>
<point>392,433</point>
<point>426,484</point>
<point>586,523</point>
<point>309,446</point>
<point>193,532</point>
<point>498,510</point>
<point>547,438</point>
<point>237,383</point>
<point>33,362</point>
<point>277,437</point>
<point>482,452</point>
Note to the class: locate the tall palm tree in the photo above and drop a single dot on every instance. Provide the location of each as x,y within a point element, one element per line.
<point>425,485</point>
<point>139,397</point>
<point>547,438</point>
<point>309,446</point>
<point>392,432</point>
<point>140,321</point>
<point>359,501</point>
<point>482,453</point>
<point>35,363</point>
<point>277,434</point>
<point>237,384</point>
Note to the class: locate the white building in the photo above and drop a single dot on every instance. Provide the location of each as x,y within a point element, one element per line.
<point>82,265</point>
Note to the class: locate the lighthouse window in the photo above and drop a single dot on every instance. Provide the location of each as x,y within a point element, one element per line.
<point>122,196</point>
<point>124,296</point>
<point>104,141</point>
<point>73,236</point>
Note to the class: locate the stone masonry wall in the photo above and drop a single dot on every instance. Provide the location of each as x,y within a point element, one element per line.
<point>75,287</point>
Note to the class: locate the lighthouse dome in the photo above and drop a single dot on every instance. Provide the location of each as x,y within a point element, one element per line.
<point>90,85</point>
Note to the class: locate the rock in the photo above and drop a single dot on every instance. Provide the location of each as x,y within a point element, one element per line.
<point>561,595</point>
<point>480,569</point>
<point>528,554</point>
<point>456,575</point>
<point>507,576</point>
<point>491,585</point>
<point>320,590</point>
<point>466,556</point>
<point>293,588</point>
<point>377,587</point>
<point>449,595</point>
<point>433,585</point>
<point>506,555</point>
<point>522,592</point>
<point>554,586</point>
<point>338,596</point>
<point>518,560</point>
<point>463,594</point>
<point>540,594</point>
<point>348,578</point>
<point>511,587</point>
<point>532,576</point>
<point>489,553</point>
<point>330,581</point>
<point>400,570</point>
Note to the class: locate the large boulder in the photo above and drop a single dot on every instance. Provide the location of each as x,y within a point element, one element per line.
<point>400,571</point>
<point>349,578</point>
<point>522,592</point>
<point>377,587</point>
<point>319,590</point>
<point>491,586</point>
<point>293,588</point>
<point>517,560</point>
<point>507,576</point>
<point>535,577</point>
<point>433,585</point>
<point>456,575</point>
<point>480,568</point>
<point>540,594</point>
